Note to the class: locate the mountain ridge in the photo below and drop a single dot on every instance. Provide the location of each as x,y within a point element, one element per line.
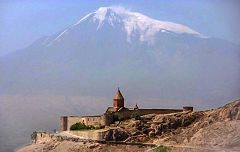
<point>89,57</point>
<point>132,22</point>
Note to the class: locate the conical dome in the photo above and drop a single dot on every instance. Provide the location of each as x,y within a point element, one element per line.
<point>118,95</point>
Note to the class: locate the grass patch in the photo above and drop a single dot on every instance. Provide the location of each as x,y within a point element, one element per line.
<point>162,149</point>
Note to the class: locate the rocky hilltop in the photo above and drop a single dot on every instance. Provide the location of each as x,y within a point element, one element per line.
<point>210,130</point>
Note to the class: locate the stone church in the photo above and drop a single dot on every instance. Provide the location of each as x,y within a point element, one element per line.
<point>117,112</point>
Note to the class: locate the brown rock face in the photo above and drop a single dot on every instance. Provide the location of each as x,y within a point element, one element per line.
<point>116,135</point>
<point>230,111</point>
<point>218,128</point>
<point>151,134</point>
<point>189,128</point>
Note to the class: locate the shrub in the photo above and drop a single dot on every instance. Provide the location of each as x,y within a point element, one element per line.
<point>78,126</point>
<point>99,127</point>
<point>81,126</point>
<point>119,116</point>
<point>136,116</point>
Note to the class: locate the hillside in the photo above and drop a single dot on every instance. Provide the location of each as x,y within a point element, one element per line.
<point>211,130</point>
<point>218,128</point>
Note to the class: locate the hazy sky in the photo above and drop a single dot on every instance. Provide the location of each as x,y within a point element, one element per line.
<point>22,22</point>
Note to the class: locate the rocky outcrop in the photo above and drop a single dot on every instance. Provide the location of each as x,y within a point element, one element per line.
<point>157,125</point>
<point>212,128</point>
<point>228,112</point>
<point>189,128</point>
<point>116,135</point>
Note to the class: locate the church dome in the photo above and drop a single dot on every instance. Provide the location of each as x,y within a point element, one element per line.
<point>118,95</point>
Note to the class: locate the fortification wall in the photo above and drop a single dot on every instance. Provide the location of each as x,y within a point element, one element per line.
<point>92,120</point>
<point>73,120</point>
<point>43,137</point>
<point>128,113</point>
<point>93,135</point>
<point>158,111</point>
<point>63,123</point>
<point>107,119</point>
<point>67,121</point>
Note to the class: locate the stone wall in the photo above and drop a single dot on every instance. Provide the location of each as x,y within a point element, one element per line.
<point>128,113</point>
<point>107,119</point>
<point>84,136</point>
<point>93,135</point>
<point>92,120</point>
<point>158,111</point>
<point>63,123</point>
<point>67,121</point>
<point>43,137</point>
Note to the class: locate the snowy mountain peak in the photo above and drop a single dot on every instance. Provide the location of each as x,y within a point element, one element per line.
<point>133,23</point>
<point>106,12</point>
<point>112,15</point>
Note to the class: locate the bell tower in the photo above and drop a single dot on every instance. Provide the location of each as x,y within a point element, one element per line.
<point>118,101</point>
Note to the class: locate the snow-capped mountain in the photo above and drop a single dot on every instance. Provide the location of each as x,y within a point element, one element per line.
<point>132,23</point>
<point>114,46</point>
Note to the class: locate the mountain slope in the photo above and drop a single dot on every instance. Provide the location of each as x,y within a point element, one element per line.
<point>115,45</point>
<point>132,23</point>
<point>217,128</point>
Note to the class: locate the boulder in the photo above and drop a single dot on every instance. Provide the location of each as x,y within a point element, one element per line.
<point>135,133</point>
<point>158,130</point>
<point>138,125</point>
<point>119,135</point>
<point>186,121</point>
<point>109,135</point>
<point>238,115</point>
<point>153,126</point>
<point>164,127</point>
<point>151,134</point>
<point>94,145</point>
